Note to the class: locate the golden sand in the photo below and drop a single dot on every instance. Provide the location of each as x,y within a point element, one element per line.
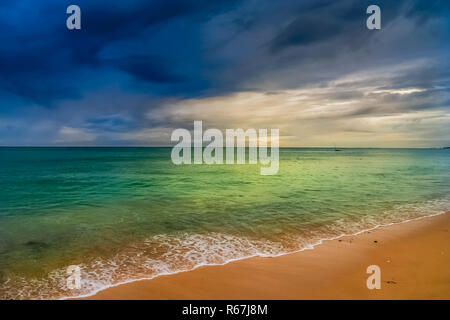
<point>414,258</point>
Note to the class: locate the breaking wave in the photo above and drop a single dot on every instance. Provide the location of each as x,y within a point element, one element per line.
<point>169,254</point>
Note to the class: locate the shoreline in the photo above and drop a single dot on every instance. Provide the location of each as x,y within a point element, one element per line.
<point>310,261</point>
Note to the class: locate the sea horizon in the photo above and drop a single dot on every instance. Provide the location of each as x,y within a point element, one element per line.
<point>170,146</point>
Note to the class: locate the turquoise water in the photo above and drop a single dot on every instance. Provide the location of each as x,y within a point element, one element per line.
<point>129,213</point>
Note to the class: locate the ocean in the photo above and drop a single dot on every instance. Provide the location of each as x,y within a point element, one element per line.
<point>123,214</point>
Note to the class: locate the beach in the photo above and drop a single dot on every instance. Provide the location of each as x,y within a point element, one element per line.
<point>122,215</point>
<point>414,259</point>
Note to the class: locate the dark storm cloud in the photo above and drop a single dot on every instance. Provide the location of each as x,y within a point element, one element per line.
<point>39,57</point>
<point>323,23</point>
<point>147,68</point>
<point>333,19</point>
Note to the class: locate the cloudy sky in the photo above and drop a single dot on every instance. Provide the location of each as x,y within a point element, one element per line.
<point>138,69</point>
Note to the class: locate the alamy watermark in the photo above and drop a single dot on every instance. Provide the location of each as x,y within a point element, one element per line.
<point>190,149</point>
<point>73,281</point>
<point>73,22</point>
<point>374,280</point>
<point>374,20</point>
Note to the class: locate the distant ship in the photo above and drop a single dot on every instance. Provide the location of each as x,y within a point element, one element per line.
<point>335,149</point>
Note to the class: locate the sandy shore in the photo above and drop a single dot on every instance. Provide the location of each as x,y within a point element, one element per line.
<point>414,258</point>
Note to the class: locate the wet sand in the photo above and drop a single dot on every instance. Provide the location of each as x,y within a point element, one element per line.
<point>414,258</point>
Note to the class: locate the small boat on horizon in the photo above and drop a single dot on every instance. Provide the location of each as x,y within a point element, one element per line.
<point>335,149</point>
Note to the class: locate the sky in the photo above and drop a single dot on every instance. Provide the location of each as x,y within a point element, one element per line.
<point>138,69</point>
